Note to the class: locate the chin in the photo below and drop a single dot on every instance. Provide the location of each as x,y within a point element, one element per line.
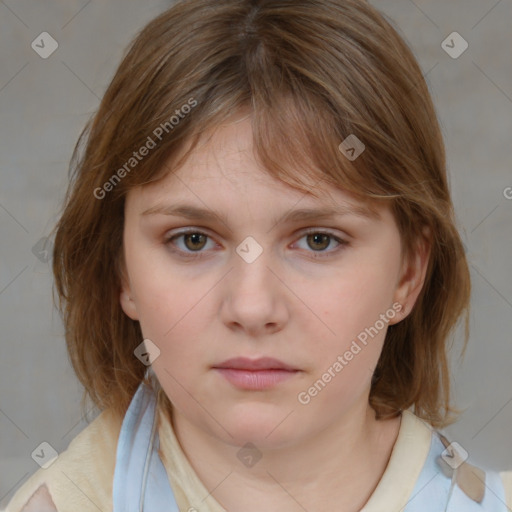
<point>261,424</point>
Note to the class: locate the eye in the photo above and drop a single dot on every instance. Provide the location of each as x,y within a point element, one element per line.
<point>190,243</point>
<point>319,241</point>
<point>193,242</point>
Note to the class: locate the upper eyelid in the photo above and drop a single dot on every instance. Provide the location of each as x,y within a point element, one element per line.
<point>204,231</point>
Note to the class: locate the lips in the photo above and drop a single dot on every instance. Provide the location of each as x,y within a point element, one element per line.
<point>255,374</point>
<point>263,363</point>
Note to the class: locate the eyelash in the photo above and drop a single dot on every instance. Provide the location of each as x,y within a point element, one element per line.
<point>191,255</point>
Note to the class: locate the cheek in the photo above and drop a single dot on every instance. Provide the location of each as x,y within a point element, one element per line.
<point>165,296</point>
<point>346,356</point>
<point>354,310</point>
<point>175,316</point>
<point>171,310</point>
<point>354,300</point>
<point>176,312</point>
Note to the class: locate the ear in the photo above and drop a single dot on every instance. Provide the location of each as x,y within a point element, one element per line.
<point>412,276</point>
<point>126,298</point>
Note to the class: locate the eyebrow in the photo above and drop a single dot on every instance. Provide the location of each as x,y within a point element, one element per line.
<point>328,213</point>
<point>304,214</point>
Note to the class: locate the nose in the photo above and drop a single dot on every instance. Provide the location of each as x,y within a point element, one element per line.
<point>254,299</point>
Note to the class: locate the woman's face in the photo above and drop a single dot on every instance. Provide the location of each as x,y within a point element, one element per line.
<point>259,276</point>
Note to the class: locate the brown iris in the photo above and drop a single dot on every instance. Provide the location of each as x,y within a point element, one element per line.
<point>319,238</point>
<point>197,241</point>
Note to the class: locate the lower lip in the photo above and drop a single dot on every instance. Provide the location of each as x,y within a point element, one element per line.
<point>255,380</point>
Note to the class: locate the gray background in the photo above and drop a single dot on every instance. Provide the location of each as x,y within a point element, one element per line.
<point>44,103</point>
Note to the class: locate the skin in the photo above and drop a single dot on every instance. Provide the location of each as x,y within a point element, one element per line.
<point>290,303</point>
<point>41,501</point>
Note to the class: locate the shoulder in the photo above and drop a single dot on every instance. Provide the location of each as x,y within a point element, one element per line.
<point>450,475</point>
<point>80,478</point>
<point>475,482</point>
<point>506,478</point>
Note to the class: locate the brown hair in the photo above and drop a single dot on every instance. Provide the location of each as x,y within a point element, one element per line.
<point>310,73</point>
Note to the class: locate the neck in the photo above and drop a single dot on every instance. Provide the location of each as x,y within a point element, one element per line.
<point>336,469</point>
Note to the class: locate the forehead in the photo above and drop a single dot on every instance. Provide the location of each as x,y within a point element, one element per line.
<point>222,172</point>
<point>225,154</point>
